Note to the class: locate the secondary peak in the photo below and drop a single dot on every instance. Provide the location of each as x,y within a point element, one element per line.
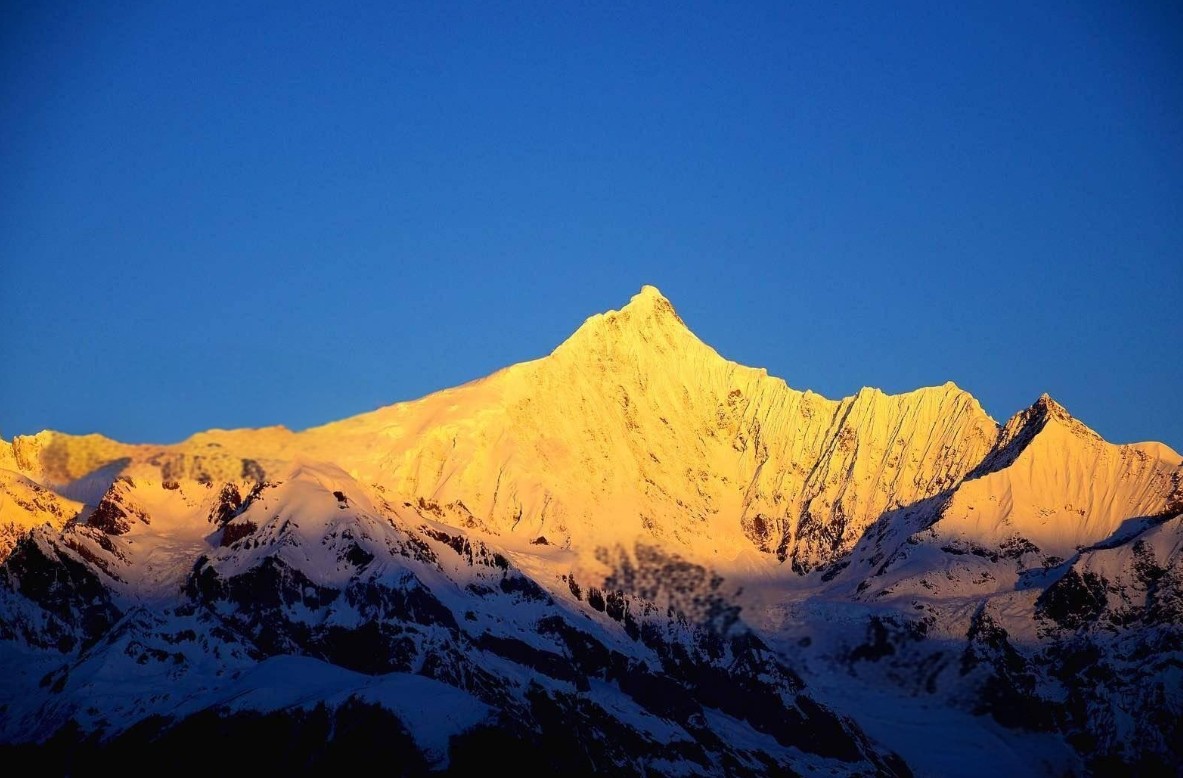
<point>1046,406</point>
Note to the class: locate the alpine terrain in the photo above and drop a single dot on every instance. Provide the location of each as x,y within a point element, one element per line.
<point>630,556</point>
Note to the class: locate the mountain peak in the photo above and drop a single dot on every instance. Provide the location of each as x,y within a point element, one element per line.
<point>650,303</point>
<point>1045,409</point>
<point>1045,404</point>
<point>1021,430</point>
<point>648,291</point>
<point>647,323</point>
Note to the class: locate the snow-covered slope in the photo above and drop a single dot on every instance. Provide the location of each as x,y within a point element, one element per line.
<point>1042,592</point>
<point>1054,482</point>
<point>619,556</point>
<point>307,596</point>
<point>25,504</point>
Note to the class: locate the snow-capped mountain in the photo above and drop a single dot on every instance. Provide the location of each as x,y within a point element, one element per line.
<point>631,555</point>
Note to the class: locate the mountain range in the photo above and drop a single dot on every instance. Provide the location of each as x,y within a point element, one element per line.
<point>629,556</point>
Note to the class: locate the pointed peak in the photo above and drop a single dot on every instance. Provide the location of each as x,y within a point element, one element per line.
<point>1022,429</point>
<point>1045,408</point>
<point>648,321</point>
<point>649,302</point>
<point>648,293</point>
<point>1048,410</point>
<point>1045,402</point>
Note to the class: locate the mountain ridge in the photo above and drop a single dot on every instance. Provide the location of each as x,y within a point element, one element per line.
<point>629,552</point>
<point>632,416</point>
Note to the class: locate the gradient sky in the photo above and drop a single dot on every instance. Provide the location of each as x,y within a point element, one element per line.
<point>242,214</point>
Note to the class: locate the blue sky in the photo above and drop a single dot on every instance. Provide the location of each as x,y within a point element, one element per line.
<point>227,214</point>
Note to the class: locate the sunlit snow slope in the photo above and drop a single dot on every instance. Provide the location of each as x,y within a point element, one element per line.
<point>631,428</point>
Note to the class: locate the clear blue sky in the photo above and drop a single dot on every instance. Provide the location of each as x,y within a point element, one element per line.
<point>240,214</point>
